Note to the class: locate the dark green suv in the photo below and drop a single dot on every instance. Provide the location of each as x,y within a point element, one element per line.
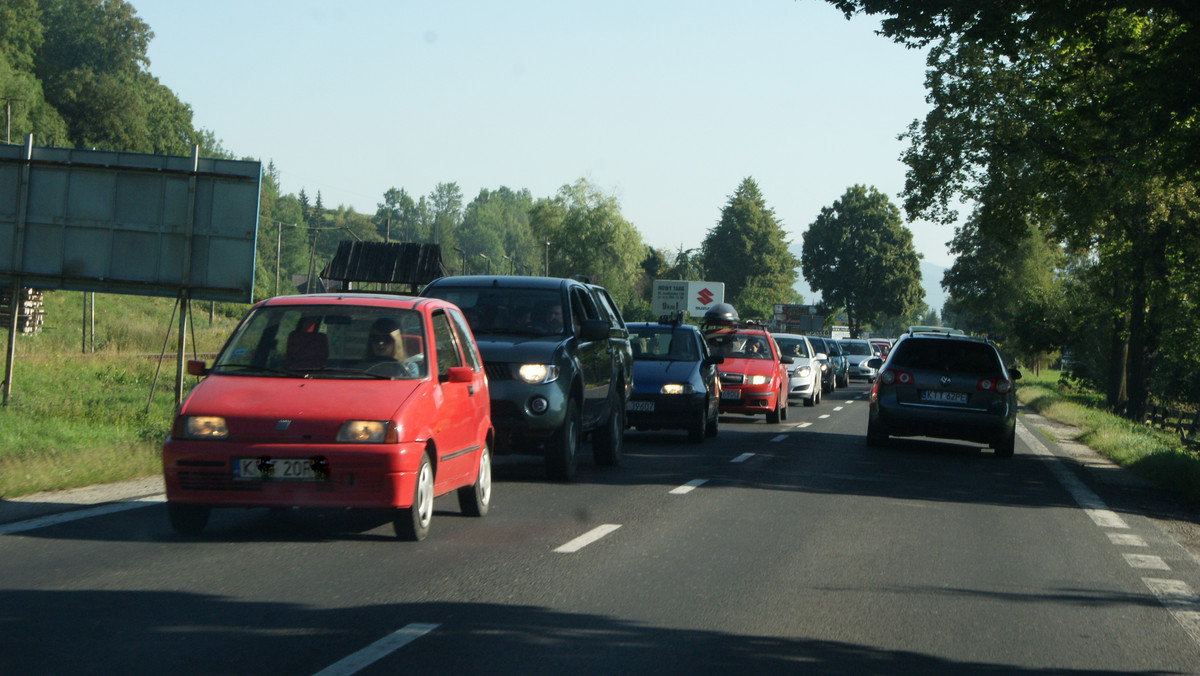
<point>941,383</point>
<point>558,362</point>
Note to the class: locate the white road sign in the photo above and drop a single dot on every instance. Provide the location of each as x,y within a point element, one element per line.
<point>694,298</point>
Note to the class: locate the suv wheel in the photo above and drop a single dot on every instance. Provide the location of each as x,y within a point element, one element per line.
<point>606,444</point>
<point>1007,445</point>
<point>699,428</point>
<point>562,450</point>
<point>875,434</point>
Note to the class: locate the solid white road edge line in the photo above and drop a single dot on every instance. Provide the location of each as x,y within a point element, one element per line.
<point>75,515</point>
<point>1091,503</point>
<point>373,653</point>
<point>587,538</point>
<point>688,487</point>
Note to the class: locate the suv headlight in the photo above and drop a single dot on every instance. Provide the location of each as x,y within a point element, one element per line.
<point>537,374</point>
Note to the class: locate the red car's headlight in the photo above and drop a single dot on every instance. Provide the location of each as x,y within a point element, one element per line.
<point>363,432</point>
<point>203,427</point>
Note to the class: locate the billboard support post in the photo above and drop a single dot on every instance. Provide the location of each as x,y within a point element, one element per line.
<point>18,242</point>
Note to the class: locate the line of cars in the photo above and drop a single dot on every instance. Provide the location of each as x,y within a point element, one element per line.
<point>383,402</point>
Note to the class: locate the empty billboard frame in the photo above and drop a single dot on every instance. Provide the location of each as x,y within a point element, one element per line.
<point>117,222</point>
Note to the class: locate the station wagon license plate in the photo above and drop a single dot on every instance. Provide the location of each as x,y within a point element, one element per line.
<point>642,406</point>
<point>283,469</point>
<point>731,394</point>
<point>939,397</point>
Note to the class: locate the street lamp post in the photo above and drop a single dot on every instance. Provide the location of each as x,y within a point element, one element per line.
<point>510,264</point>
<point>462,257</point>
<point>547,258</point>
<point>489,263</point>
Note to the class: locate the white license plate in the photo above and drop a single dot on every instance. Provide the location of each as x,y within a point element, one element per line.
<point>731,394</point>
<point>282,469</point>
<point>940,397</point>
<point>643,406</point>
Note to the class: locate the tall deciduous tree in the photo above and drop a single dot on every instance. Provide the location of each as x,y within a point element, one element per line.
<point>588,235</point>
<point>748,251</point>
<point>859,256</point>
<point>496,224</point>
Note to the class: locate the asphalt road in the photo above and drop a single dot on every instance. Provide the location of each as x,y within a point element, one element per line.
<point>771,549</point>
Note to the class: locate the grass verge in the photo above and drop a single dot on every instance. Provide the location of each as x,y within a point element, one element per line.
<point>79,419</point>
<point>1153,454</point>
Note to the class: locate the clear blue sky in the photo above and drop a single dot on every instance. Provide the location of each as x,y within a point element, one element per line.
<point>666,105</point>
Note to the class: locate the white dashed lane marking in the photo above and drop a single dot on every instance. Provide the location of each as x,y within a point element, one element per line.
<point>587,538</point>
<point>688,487</point>
<point>779,438</point>
<point>1180,600</point>
<point>743,457</point>
<point>1146,561</point>
<point>352,664</point>
<point>1126,540</point>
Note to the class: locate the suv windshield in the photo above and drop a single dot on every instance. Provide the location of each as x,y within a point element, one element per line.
<point>534,312</point>
<point>327,341</point>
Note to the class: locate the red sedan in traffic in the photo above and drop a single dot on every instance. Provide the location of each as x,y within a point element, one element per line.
<point>336,400</point>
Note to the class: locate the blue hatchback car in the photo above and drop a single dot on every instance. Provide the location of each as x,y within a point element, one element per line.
<point>675,382</point>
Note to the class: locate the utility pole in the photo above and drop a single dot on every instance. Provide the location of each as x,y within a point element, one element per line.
<point>8,117</point>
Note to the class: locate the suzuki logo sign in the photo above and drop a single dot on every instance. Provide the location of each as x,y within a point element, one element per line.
<point>692,298</point>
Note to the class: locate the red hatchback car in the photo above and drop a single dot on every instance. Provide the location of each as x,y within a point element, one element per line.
<point>754,377</point>
<point>336,400</point>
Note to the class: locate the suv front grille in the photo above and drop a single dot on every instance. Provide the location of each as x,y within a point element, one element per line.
<point>497,370</point>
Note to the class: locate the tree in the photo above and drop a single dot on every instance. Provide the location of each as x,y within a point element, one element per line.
<point>588,235</point>
<point>859,256</point>
<point>447,203</point>
<point>748,251</point>
<point>496,224</point>
<point>1007,290</point>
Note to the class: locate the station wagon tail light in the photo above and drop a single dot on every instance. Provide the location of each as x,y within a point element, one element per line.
<point>999,385</point>
<point>903,377</point>
<point>203,427</point>
<point>676,388</point>
<point>364,432</point>
<point>537,374</point>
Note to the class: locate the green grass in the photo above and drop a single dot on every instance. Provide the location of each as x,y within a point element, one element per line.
<point>77,418</point>
<point>1154,454</point>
